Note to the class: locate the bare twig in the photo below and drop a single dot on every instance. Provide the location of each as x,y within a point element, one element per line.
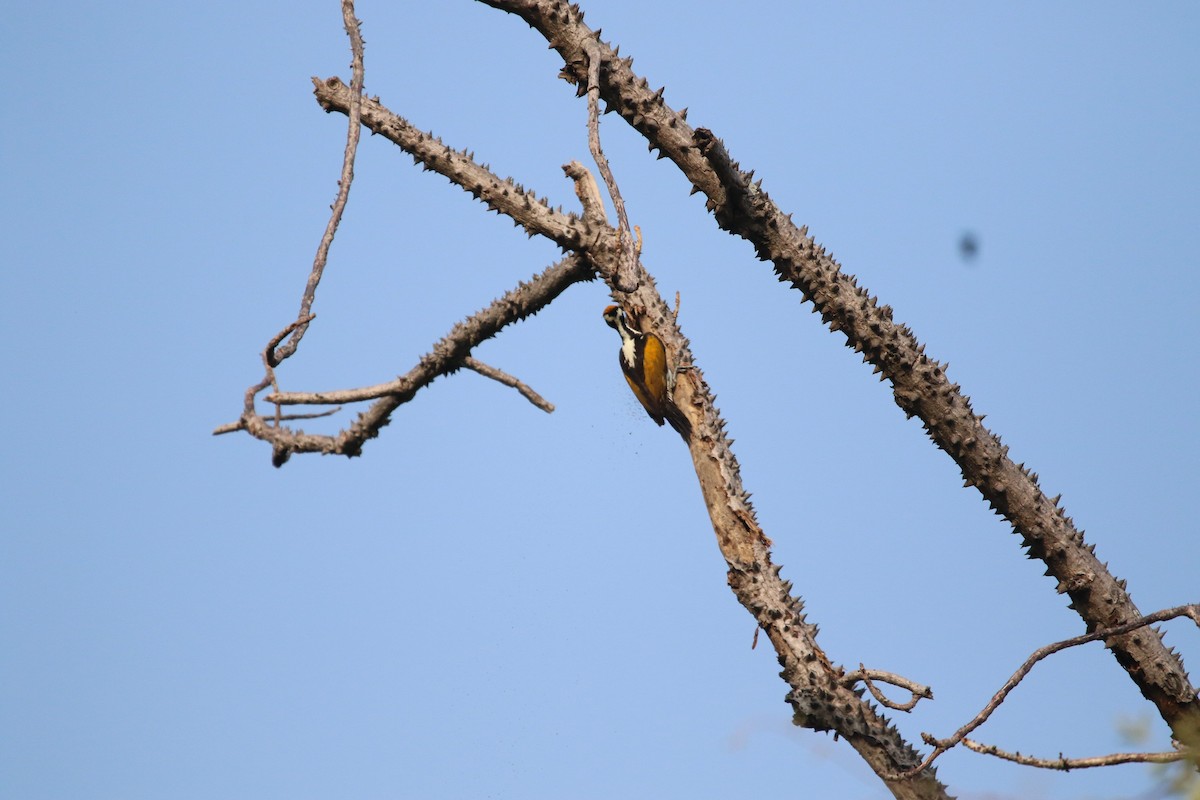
<point>817,697</point>
<point>525,300</point>
<point>270,361</point>
<point>1067,764</point>
<point>508,380</point>
<point>273,354</point>
<point>869,676</point>
<point>314,415</point>
<point>353,133</point>
<point>229,427</point>
<point>625,279</point>
<point>942,745</point>
<point>269,356</point>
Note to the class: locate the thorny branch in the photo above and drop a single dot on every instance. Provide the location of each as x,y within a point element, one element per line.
<point>446,356</point>
<point>450,353</point>
<point>822,695</point>
<point>454,349</point>
<point>920,384</point>
<point>504,196</point>
<point>234,427</point>
<point>820,699</point>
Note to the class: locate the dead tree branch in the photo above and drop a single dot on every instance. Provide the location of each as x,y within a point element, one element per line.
<point>918,691</point>
<point>942,745</point>
<point>508,380</point>
<point>353,133</point>
<point>501,195</point>
<point>623,281</point>
<point>920,384</point>
<point>821,694</point>
<point>1067,764</point>
<point>447,356</point>
<point>818,695</point>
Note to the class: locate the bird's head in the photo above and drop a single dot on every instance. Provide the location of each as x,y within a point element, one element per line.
<point>614,316</point>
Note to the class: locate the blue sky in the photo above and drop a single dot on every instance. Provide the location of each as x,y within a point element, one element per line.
<point>455,614</point>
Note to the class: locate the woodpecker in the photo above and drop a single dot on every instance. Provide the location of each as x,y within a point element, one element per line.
<point>644,362</point>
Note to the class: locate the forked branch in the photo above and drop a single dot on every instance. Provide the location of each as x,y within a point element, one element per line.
<point>818,695</point>
<point>446,356</point>
<point>941,746</point>
<point>920,384</point>
<point>823,697</point>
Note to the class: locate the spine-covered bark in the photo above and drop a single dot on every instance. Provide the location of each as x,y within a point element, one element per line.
<point>820,696</point>
<point>499,194</point>
<point>447,356</point>
<point>920,384</point>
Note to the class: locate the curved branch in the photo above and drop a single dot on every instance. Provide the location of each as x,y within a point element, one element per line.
<point>918,691</point>
<point>942,745</point>
<point>623,280</point>
<point>353,133</point>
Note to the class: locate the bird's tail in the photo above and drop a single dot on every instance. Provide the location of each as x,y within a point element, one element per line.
<point>678,421</point>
